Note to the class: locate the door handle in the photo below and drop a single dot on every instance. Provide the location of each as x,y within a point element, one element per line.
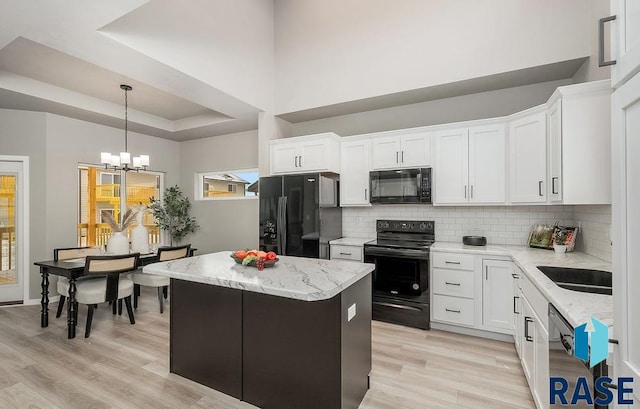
<point>300,160</point>
<point>486,272</point>
<point>465,191</point>
<point>553,185</point>
<point>528,337</point>
<point>397,161</point>
<point>540,188</point>
<point>365,193</point>
<point>471,191</point>
<point>515,301</point>
<point>448,283</point>
<point>601,61</point>
<point>398,306</point>
<point>402,156</point>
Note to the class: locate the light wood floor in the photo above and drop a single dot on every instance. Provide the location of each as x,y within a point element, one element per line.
<point>125,366</point>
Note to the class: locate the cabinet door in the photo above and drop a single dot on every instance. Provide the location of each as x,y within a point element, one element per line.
<point>284,158</point>
<point>528,342</point>
<point>386,152</point>
<point>555,152</point>
<point>626,225</point>
<point>487,164</point>
<point>313,155</point>
<point>625,39</point>
<point>415,150</point>
<point>451,171</point>
<point>541,375</point>
<point>528,159</point>
<point>518,328</point>
<point>497,295</point>
<point>354,173</point>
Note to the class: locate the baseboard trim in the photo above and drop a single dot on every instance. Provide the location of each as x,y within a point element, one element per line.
<point>35,301</point>
<point>473,332</point>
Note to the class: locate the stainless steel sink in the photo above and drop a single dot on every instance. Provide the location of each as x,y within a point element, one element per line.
<point>579,279</point>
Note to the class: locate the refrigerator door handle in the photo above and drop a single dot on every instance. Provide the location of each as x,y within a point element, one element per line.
<point>283,228</point>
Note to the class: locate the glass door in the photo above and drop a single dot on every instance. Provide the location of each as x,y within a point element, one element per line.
<point>11,274</point>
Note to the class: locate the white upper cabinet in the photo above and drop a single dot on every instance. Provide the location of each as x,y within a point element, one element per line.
<point>406,150</point>
<point>625,40</point>
<point>555,151</point>
<point>470,165</point>
<point>528,158</point>
<point>487,164</point>
<point>451,171</point>
<point>580,144</point>
<point>312,153</point>
<point>355,165</point>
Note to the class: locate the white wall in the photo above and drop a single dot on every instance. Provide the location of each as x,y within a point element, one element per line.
<point>333,51</point>
<point>237,37</point>
<point>489,104</point>
<point>224,224</point>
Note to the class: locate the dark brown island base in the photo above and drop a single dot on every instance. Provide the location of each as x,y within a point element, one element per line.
<point>294,336</point>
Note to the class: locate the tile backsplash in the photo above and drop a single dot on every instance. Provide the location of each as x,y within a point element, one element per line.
<point>594,236</point>
<point>500,224</point>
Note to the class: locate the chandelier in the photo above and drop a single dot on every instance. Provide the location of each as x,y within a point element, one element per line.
<point>123,161</point>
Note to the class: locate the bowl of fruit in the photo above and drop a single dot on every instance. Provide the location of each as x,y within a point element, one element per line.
<point>255,258</point>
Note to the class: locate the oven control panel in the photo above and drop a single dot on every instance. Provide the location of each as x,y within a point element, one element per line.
<point>419,226</point>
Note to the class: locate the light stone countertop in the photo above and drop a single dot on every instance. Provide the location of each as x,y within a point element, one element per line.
<point>349,241</point>
<point>292,277</point>
<point>575,306</point>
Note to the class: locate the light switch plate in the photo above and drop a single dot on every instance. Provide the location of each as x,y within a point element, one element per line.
<point>351,312</point>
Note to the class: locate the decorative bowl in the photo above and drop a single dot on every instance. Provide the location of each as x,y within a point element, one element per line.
<point>254,263</point>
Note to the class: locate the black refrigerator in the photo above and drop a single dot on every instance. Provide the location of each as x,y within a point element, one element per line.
<point>299,214</point>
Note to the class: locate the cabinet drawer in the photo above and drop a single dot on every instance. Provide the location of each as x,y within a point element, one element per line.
<point>339,252</point>
<point>452,309</point>
<point>453,282</point>
<point>452,260</point>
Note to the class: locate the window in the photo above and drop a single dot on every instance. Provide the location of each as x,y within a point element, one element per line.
<point>100,190</point>
<point>227,184</point>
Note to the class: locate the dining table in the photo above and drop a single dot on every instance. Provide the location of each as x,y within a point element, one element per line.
<point>73,269</point>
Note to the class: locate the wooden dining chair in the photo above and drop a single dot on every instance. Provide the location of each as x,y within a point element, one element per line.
<point>70,253</point>
<point>112,285</point>
<point>151,280</point>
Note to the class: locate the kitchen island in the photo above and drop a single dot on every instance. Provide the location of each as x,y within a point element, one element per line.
<point>297,335</point>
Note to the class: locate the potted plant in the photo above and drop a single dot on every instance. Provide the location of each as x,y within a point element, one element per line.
<point>560,243</point>
<point>172,214</point>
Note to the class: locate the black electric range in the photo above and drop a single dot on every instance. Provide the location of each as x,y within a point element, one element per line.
<point>401,277</point>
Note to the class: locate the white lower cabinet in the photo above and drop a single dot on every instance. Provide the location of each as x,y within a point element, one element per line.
<point>497,295</point>
<point>532,340</point>
<point>345,252</point>
<point>453,310</point>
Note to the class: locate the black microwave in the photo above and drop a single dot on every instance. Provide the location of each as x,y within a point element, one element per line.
<point>400,186</point>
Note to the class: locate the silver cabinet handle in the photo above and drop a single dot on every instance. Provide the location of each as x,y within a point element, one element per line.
<point>345,254</point>
<point>540,188</point>
<point>295,161</point>
<point>448,283</point>
<point>515,301</point>
<point>365,193</point>
<point>397,161</point>
<point>465,191</point>
<point>402,157</point>
<point>456,311</point>
<point>601,61</point>
<point>515,276</point>
<point>300,160</point>
<point>452,262</point>
<point>553,185</point>
<point>472,191</point>
<point>486,272</point>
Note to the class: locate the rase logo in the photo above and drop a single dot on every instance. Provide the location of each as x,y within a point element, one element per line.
<point>592,348</point>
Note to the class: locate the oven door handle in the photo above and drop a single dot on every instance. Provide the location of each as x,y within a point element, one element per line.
<point>394,252</point>
<point>398,306</point>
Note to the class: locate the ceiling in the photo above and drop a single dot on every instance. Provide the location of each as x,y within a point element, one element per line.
<point>54,58</point>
